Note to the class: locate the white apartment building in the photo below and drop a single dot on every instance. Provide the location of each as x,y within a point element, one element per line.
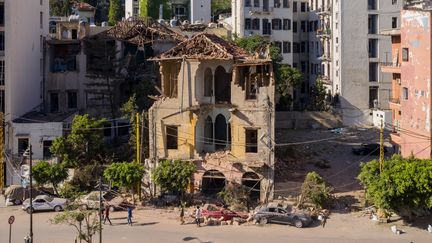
<point>23,28</point>
<point>358,50</point>
<point>131,8</point>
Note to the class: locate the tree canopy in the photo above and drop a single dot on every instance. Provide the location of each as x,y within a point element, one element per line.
<point>84,144</point>
<point>404,186</point>
<point>45,173</point>
<point>124,174</point>
<point>89,219</point>
<point>115,12</point>
<point>173,175</point>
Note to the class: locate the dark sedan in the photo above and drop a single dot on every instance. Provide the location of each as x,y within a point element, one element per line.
<point>368,149</point>
<point>280,215</point>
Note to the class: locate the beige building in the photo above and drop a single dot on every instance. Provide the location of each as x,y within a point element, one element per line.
<point>217,110</point>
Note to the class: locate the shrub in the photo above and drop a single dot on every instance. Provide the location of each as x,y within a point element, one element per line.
<point>316,191</point>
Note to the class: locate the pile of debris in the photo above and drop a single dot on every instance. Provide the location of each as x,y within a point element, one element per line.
<point>193,27</point>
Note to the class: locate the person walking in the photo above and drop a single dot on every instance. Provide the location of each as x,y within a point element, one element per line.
<point>106,214</point>
<point>182,205</point>
<point>198,216</point>
<point>129,217</point>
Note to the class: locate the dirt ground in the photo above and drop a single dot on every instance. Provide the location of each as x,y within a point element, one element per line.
<point>330,156</point>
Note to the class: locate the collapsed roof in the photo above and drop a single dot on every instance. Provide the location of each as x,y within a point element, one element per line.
<point>141,32</point>
<point>207,46</point>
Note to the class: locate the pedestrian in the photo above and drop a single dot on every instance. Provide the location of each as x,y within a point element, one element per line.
<point>182,221</point>
<point>129,217</point>
<point>198,216</point>
<point>106,214</point>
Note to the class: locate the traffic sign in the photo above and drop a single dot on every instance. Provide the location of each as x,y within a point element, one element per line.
<point>11,219</point>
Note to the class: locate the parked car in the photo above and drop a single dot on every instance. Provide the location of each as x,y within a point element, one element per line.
<point>45,203</point>
<point>16,194</point>
<point>91,201</point>
<point>368,149</point>
<point>213,211</point>
<point>279,215</point>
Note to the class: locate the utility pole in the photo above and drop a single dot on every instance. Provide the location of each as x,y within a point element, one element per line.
<point>381,159</point>
<point>31,192</point>
<point>138,148</point>
<point>100,205</point>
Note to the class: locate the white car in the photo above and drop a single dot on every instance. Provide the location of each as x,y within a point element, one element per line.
<point>45,203</point>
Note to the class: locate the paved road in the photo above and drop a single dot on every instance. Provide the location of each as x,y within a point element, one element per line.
<point>339,229</point>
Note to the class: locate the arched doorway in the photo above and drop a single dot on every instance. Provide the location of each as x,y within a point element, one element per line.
<point>222,85</point>
<point>253,183</point>
<point>220,129</point>
<point>208,83</point>
<point>208,131</point>
<point>213,181</point>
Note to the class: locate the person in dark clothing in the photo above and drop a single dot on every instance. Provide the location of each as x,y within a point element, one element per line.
<point>129,217</point>
<point>106,214</point>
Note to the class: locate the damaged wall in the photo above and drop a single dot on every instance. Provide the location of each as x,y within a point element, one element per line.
<point>416,83</point>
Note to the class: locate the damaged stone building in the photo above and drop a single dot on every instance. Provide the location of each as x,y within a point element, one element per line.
<point>216,110</point>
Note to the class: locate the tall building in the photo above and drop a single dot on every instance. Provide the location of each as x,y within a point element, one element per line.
<point>358,51</point>
<point>23,28</point>
<point>410,67</point>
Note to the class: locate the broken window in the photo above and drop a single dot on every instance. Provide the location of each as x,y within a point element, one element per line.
<point>72,99</point>
<point>251,78</point>
<point>373,97</point>
<point>100,55</point>
<point>171,137</point>
<point>74,34</point>
<point>64,58</point>
<point>208,83</point>
<point>222,81</point>
<point>54,102</point>
<point>170,72</point>
<point>23,144</point>
<point>208,131</point>
<point>405,54</point>
<point>46,149</point>
<point>221,132</point>
<point>251,141</point>
<point>256,24</point>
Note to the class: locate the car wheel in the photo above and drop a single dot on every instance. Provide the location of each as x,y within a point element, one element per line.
<point>263,221</point>
<point>17,202</point>
<point>29,210</point>
<point>111,209</point>
<point>57,208</point>
<point>298,223</point>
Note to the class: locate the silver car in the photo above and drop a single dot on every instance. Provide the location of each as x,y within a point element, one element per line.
<point>45,203</point>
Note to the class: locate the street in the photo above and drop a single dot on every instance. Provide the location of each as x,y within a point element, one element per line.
<point>157,226</point>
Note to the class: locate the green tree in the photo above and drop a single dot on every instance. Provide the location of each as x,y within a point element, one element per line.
<point>150,8</point>
<point>84,144</point>
<point>316,191</point>
<point>405,185</point>
<point>60,7</point>
<point>89,219</point>
<point>220,6</point>
<point>45,173</point>
<point>125,174</point>
<point>173,175</point>
<point>318,96</point>
<point>115,12</point>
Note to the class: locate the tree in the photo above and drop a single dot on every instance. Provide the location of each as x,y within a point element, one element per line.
<point>89,218</point>
<point>316,191</point>
<point>124,174</point>
<point>404,186</point>
<point>60,7</point>
<point>318,96</point>
<point>115,12</point>
<point>220,6</point>
<point>44,173</point>
<point>150,8</point>
<point>173,175</point>
<point>84,144</point>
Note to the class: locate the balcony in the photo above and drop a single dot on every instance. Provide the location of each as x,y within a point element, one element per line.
<point>390,67</point>
<point>394,100</point>
<point>325,58</point>
<point>324,32</point>
<point>260,10</point>
<point>324,11</point>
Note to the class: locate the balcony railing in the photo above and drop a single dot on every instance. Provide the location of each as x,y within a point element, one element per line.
<point>391,64</point>
<point>260,10</point>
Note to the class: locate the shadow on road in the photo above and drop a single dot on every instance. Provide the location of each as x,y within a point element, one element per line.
<point>136,224</point>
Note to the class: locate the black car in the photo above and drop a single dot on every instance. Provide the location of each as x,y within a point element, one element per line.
<point>368,149</point>
<point>279,215</point>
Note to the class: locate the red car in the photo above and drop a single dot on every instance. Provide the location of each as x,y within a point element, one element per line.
<point>212,211</point>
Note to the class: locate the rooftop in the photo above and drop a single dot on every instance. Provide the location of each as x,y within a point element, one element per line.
<point>40,117</point>
<point>84,7</point>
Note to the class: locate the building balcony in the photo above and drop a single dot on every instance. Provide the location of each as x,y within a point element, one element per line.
<point>395,101</point>
<point>260,10</point>
<point>325,58</point>
<point>324,11</point>
<point>390,67</point>
<point>324,33</point>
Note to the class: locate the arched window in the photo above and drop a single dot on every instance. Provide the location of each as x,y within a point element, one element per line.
<point>220,132</point>
<point>222,85</point>
<point>208,131</point>
<point>208,83</point>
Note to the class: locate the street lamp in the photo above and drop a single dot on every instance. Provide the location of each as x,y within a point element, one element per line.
<point>28,154</point>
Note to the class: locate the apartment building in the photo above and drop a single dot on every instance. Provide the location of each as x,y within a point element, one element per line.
<point>23,29</point>
<point>216,110</point>
<point>359,50</point>
<point>410,67</point>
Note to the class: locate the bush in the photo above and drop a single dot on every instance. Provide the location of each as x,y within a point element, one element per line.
<point>316,191</point>
<point>69,191</point>
<point>235,195</point>
<point>404,186</point>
